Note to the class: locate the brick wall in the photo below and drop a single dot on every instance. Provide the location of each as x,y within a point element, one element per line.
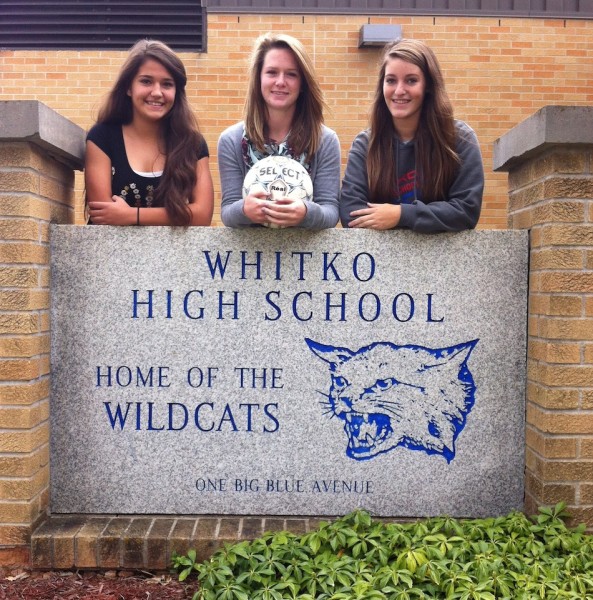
<point>551,193</point>
<point>35,189</point>
<point>498,72</point>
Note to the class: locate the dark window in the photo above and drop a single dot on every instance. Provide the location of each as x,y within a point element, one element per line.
<point>101,24</point>
<point>551,9</point>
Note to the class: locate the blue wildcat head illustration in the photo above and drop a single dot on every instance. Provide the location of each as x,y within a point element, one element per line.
<point>390,396</point>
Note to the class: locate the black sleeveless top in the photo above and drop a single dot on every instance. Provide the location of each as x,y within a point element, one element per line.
<point>137,189</point>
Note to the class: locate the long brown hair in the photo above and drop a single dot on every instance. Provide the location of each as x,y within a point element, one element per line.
<point>180,129</point>
<point>436,158</point>
<point>305,133</point>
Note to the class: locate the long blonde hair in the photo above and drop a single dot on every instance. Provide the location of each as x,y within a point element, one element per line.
<point>305,133</point>
<point>437,161</point>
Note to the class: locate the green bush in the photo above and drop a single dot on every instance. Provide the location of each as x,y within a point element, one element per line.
<point>355,558</point>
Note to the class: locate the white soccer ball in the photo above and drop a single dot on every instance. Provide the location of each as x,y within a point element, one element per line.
<point>278,177</point>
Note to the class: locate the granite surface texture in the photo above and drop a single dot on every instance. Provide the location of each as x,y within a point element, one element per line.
<point>287,372</point>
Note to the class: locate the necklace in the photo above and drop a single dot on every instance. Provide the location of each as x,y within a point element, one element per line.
<point>275,144</point>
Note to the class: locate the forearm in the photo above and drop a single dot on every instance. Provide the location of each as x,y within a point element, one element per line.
<point>320,215</point>
<point>355,190</point>
<point>150,216</point>
<point>231,174</point>
<point>441,216</point>
<point>324,212</point>
<point>461,209</point>
<point>155,216</point>
<point>232,215</point>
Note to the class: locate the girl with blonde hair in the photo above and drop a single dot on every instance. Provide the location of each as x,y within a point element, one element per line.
<point>283,116</point>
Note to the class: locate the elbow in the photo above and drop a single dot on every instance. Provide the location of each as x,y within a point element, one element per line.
<point>467,221</point>
<point>224,217</point>
<point>228,215</point>
<point>474,217</point>
<point>333,216</point>
<point>344,216</point>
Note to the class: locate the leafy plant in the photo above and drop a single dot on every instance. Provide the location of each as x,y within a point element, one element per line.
<point>356,558</point>
<point>185,564</point>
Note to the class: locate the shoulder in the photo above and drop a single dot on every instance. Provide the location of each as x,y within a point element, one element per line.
<point>102,130</point>
<point>202,150</point>
<point>106,136</point>
<point>468,146</point>
<point>234,132</point>
<point>361,141</point>
<point>98,128</point>
<point>329,142</point>
<point>464,132</point>
<point>328,134</point>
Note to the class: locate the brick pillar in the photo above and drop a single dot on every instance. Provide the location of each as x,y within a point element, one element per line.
<point>549,158</point>
<point>39,151</point>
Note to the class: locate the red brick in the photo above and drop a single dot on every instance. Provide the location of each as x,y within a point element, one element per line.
<point>87,542</point>
<point>156,544</point>
<point>110,543</point>
<point>181,537</point>
<point>134,543</point>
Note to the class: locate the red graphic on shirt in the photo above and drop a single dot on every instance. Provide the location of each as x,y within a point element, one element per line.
<point>406,184</point>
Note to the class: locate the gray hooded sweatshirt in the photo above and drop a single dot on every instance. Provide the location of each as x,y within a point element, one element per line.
<point>459,211</point>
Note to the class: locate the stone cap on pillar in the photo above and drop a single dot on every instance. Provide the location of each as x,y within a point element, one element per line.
<point>34,122</point>
<point>550,126</point>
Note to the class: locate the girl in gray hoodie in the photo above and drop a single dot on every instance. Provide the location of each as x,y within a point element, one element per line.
<point>416,167</point>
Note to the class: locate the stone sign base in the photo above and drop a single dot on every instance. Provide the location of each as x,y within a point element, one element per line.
<point>287,372</point>
<point>145,542</point>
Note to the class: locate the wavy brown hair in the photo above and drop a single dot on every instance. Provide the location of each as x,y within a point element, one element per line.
<point>180,131</point>
<point>437,161</point>
<point>305,132</point>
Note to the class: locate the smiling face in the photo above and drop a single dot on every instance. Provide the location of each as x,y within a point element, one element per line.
<point>404,87</point>
<point>280,80</point>
<point>152,91</point>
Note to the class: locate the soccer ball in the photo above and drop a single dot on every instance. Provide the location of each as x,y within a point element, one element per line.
<point>278,177</point>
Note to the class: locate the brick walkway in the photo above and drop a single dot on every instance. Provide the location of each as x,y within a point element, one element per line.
<point>145,542</point>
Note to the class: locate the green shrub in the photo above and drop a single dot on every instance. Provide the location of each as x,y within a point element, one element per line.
<point>355,558</point>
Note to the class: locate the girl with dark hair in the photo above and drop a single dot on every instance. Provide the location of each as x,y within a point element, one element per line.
<point>416,167</point>
<point>146,161</point>
<point>283,115</point>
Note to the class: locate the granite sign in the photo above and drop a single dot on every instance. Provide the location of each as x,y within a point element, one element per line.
<point>211,370</point>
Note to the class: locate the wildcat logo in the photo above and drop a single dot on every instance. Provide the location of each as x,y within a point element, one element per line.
<point>390,396</point>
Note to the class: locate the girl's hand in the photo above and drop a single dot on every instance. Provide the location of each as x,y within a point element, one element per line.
<point>254,205</point>
<point>285,212</point>
<point>116,212</point>
<point>376,216</point>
